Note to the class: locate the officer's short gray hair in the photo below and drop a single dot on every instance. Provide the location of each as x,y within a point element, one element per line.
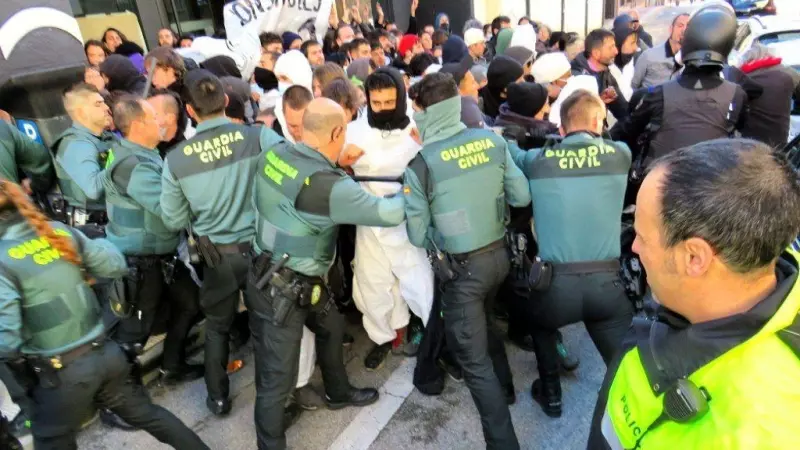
<point>738,195</point>
<point>127,109</point>
<point>756,52</point>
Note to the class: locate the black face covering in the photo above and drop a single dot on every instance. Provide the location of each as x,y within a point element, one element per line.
<point>396,119</point>
<point>622,60</point>
<point>265,79</point>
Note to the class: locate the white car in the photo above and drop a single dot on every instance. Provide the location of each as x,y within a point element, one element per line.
<point>779,33</point>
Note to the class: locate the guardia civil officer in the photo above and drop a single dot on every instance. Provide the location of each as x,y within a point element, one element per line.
<point>206,186</point>
<point>301,198</point>
<point>457,190</point>
<point>80,153</point>
<point>133,190</point>
<point>577,187</point>
<point>717,369</point>
<point>21,155</point>
<point>52,331</point>
<point>699,105</point>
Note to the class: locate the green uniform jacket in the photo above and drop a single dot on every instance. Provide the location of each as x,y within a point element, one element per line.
<point>46,308</point>
<point>18,152</point>
<point>301,198</point>
<point>578,190</point>
<point>133,201</point>
<point>78,166</point>
<point>208,180</point>
<point>457,189</point>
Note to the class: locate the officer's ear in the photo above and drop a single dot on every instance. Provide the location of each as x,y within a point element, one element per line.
<point>561,131</point>
<point>226,100</point>
<point>192,113</point>
<point>697,256</point>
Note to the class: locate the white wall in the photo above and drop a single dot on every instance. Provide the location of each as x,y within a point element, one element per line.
<point>788,8</point>
<point>547,11</point>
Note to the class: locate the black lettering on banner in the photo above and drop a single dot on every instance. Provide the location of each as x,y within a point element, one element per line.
<point>242,12</point>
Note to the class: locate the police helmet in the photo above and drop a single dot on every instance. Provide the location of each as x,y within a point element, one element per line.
<point>709,36</point>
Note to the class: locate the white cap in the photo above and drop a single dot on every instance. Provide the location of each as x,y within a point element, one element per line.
<point>549,67</point>
<point>585,82</point>
<point>433,68</point>
<point>474,36</point>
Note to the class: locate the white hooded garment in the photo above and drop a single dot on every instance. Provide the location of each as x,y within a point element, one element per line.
<point>524,36</point>
<point>390,274</point>
<point>293,65</point>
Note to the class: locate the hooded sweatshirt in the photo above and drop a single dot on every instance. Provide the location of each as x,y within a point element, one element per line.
<point>122,75</point>
<point>385,138</point>
<point>502,71</point>
<point>295,66</point>
<point>623,67</point>
<point>524,36</point>
<point>454,50</point>
<point>503,41</point>
<point>221,66</point>
<point>397,119</point>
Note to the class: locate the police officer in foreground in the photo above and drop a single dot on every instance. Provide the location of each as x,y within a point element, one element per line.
<point>133,191</point>
<point>19,155</point>
<point>697,106</point>
<point>302,196</point>
<point>457,190</point>
<point>719,367</point>
<point>58,345</point>
<point>207,187</point>
<point>577,187</point>
<point>80,153</point>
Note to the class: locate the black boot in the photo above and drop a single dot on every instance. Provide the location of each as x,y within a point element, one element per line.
<point>184,373</point>
<point>547,393</point>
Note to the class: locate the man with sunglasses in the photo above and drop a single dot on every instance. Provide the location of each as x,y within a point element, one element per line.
<point>301,196</point>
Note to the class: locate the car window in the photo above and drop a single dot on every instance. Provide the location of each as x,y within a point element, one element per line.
<point>773,38</point>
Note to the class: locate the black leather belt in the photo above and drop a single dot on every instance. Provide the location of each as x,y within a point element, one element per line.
<point>609,265</point>
<point>501,243</point>
<point>241,247</point>
<point>74,354</point>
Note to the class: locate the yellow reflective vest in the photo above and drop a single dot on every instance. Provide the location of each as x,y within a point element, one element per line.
<point>754,392</point>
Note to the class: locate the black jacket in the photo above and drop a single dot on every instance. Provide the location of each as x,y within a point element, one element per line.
<point>648,104</point>
<point>683,348</point>
<point>580,66</point>
<point>527,131</point>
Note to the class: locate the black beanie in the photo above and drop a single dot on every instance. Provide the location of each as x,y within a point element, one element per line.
<point>526,99</point>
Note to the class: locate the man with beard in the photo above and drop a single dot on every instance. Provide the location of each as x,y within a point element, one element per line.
<point>389,273</point>
<point>80,153</point>
<point>601,49</point>
<point>313,53</point>
<point>626,40</point>
<point>657,65</point>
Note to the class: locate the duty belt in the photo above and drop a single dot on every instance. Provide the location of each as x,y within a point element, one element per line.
<point>609,265</point>
<point>59,361</point>
<point>498,244</point>
<point>241,247</point>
